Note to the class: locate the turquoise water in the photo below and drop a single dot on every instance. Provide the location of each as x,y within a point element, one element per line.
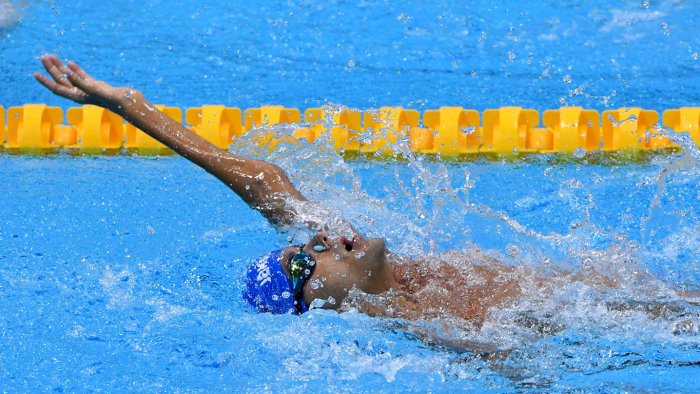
<point>123,273</point>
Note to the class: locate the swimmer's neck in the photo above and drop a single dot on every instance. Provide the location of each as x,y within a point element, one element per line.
<point>402,267</point>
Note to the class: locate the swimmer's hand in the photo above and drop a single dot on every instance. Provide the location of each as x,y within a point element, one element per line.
<point>72,82</point>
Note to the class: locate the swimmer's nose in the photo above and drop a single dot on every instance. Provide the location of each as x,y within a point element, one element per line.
<point>320,240</point>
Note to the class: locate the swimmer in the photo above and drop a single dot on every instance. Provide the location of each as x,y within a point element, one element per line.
<point>363,264</point>
<point>351,272</point>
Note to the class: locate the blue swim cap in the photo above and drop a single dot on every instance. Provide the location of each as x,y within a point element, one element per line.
<point>268,288</point>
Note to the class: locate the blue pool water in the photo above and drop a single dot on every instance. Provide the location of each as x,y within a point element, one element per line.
<point>123,273</point>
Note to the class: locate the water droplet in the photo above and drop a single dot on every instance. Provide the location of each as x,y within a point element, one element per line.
<point>512,250</point>
<point>319,248</point>
<point>316,284</point>
<point>468,130</point>
<point>403,18</point>
<point>360,255</point>
<point>587,264</point>
<point>574,183</point>
<point>579,153</point>
<point>317,303</point>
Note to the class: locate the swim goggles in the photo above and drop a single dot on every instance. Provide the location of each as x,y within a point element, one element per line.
<point>301,267</point>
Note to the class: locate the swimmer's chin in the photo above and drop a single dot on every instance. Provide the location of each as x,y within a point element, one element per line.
<point>375,250</point>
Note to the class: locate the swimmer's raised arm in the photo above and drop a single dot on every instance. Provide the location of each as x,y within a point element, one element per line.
<point>262,185</point>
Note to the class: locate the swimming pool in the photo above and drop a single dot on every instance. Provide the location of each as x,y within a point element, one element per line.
<point>122,273</point>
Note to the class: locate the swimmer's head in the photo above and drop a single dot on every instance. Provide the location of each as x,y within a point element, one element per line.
<point>339,265</point>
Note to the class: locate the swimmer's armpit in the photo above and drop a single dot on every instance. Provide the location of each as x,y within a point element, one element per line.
<point>262,185</point>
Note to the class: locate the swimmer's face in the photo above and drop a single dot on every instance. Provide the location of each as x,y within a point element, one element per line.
<point>342,264</point>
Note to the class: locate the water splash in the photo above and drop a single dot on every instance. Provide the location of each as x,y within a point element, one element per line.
<point>591,285</point>
<point>9,14</point>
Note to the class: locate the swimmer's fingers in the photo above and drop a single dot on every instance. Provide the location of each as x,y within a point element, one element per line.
<point>72,82</point>
<point>78,70</point>
<point>69,92</point>
<point>54,67</point>
<point>60,84</point>
<point>97,89</point>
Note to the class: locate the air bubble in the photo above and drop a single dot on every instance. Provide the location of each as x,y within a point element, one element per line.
<point>351,63</point>
<point>567,78</point>
<point>579,153</point>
